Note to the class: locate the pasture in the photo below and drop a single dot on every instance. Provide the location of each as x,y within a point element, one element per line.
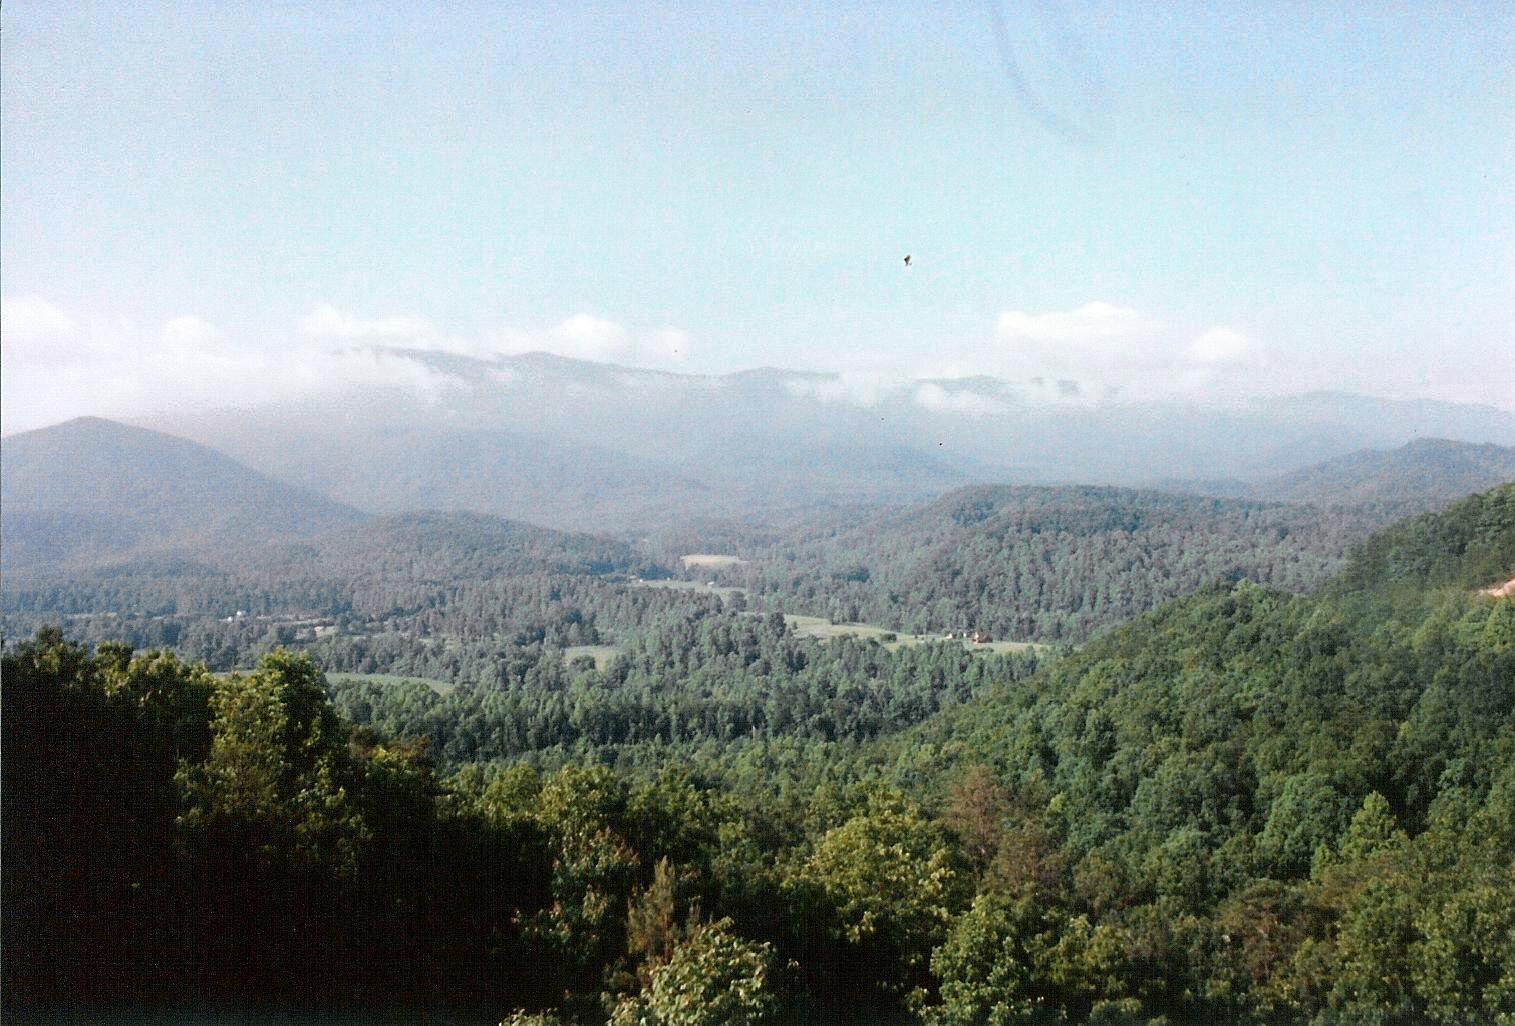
<point>441,687</point>
<point>818,627</point>
<point>702,587</point>
<point>710,561</point>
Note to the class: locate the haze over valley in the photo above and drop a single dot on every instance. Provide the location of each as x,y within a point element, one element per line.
<point>568,443</point>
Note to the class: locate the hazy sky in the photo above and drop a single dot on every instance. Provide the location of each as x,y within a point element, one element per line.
<point>1195,200</point>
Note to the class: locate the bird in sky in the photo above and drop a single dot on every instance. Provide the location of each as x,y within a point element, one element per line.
<point>907,259</point>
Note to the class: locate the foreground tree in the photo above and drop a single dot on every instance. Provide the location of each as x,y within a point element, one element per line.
<point>712,978</point>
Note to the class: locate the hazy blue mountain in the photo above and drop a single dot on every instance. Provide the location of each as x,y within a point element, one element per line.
<point>443,548</point>
<point>92,491</point>
<point>1421,475</point>
<point>506,473</point>
<point>570,443</point>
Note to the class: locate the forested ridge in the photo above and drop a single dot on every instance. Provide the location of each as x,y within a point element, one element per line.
<point>1247,805</point>
<point>1421,475</point>
<point>397,581</point>
<point>424,593</point>
<point>1016,563</point>
<point>1038,563</point>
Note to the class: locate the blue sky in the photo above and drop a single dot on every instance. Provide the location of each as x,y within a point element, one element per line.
<point>1156,199</point>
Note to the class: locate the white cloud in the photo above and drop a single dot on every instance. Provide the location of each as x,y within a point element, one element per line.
<point>591,338</point>
<point>1219,345</point>
<point>58,363</point>
<point>587,337</point>
<point>190,332</point>
<point>326,321</point>
<point>1102,347</point>
<point>35,333</point>
<point>582,336</point>
<point>1102,350</point>
<point>860,387</point>
<point>57,366</point>
<point>932,396</point>
<point>1091,322</point>
<point>31,317</point>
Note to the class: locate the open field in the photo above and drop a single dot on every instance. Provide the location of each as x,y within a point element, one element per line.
<point>710,561</point>
<point>816,627</point>
<point>699,586</point>
<point>1010,646</point>
<point>602,654</point>
<point>441,687</point>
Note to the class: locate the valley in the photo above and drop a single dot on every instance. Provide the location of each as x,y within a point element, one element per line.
<point>859,742</point>
<point>769,514</point>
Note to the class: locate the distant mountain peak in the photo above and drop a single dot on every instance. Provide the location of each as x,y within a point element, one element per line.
<point>92,490</point>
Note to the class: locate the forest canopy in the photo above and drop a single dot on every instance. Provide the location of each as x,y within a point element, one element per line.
<point>1245,806</point>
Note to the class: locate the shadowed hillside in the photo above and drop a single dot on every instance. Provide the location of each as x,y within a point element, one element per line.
<point>1419,476</point>
<point>93,491</point>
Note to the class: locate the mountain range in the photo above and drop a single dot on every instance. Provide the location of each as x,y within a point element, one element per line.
<point>589,446</point>
<point>93,492</point>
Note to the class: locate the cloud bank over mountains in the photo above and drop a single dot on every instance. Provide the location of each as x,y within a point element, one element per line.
<point>1110,351</point>
<point>1097,352</point>
<point>368,407</point>
<point>60,363</point>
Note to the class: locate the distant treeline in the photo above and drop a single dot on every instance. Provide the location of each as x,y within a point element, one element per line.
<point>424,594</point>
<point>1038,564</point>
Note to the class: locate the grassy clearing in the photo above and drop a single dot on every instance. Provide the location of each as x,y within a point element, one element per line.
<point>441,687</point>
<point>1010,646</point>
<point>710,561</point>
<point>816,627</point>
<point>699,586</point>
<point>602,654</point>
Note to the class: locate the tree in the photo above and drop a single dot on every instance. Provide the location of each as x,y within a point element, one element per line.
<point>1013,962</point>
<point>277,776</point>
<point>891,882</point>
<point>713,978</point>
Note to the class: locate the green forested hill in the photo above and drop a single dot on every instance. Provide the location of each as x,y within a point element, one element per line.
<point>452,547</point>
<point>1470,548</point>
<point>696,676</point>
<point>404,561</point>
<point>1293,806</point>
<point>1418,477</point>
<point>1033,563</point>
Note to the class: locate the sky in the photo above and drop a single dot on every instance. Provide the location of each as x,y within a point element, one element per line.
<point>1198,201</point>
